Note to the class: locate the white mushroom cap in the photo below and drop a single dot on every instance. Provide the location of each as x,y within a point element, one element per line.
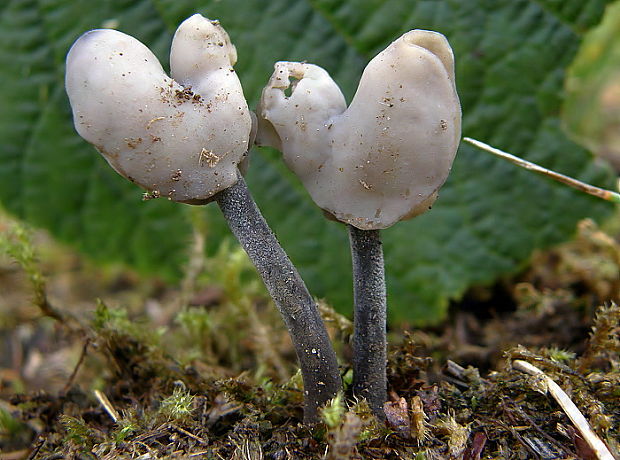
<point>181,138</point>
<point>385,157</point>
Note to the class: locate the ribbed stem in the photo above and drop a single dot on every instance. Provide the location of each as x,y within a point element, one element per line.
<point>370,316</point>
<point>319,367</point>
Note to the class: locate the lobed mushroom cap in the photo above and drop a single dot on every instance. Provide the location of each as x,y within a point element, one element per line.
<point>384,158</point>
<point>181,138</point>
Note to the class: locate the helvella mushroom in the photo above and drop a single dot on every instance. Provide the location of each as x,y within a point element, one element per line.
<point>183,138</point>
<point>379,161</point>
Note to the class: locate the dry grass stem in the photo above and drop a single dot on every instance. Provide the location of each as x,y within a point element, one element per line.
<point>571,410</point>
<point>607,195</point>
<point>107,405</point>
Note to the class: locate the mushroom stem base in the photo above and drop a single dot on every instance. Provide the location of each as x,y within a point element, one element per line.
<point>370,313</point>
<point>319,367</point>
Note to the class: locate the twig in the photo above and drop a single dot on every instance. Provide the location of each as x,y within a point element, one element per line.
<point>514,411</point>
<point>521,440</point>
<point>607,195</point>
<point>369,318</point>
<point>455,369</point>
<point>573,413</point>
<point>319,367</point>
<point>519,410</point>
<point>77,366</point>
<point>457,372</point>
<point>198,454</point>
<point>107,405</point>
<point>187,433</point>
<point>37,448</point>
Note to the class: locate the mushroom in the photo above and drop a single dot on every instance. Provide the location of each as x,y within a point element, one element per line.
<point>184,138</point>
<point>179,137</point>
<point>381,160</point>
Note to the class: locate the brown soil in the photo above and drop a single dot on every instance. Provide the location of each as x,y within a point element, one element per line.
<point>206,370</point>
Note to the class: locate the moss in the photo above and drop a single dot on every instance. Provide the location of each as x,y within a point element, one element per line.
<point>198,383</point>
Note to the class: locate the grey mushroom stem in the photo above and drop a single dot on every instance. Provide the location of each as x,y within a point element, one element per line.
<point>370,316</point>
<point>319,367</point>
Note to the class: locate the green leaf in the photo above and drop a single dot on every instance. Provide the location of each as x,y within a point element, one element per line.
<point>511,57</point>
<point>48,175</point>
<point>592,108</point>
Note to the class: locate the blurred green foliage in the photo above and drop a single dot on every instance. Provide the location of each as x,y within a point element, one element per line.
<point>592,108</point>
<point>511,58</point>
